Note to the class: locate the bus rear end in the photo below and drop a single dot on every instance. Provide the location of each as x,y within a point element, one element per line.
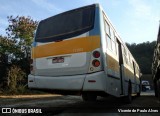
<point>66,52</point>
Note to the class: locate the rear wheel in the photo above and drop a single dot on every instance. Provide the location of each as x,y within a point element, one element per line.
<point>89,97</point>
<point>157,84</point>
<point>128,98</point>
<point>138,94</point>
<point>84,97</point>
<point>158,89</point>
<point>155,89</point>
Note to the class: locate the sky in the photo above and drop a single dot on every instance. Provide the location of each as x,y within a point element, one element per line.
<point>136,21</point>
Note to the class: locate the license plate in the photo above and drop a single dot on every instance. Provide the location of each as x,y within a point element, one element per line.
<point>58,60</point>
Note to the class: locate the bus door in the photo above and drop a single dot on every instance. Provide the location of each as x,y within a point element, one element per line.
<point>120,65</point>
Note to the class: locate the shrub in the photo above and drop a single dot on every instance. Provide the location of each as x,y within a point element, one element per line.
<point>15,79</point>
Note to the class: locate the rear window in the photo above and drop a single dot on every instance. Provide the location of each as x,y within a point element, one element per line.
<point>66,25</point>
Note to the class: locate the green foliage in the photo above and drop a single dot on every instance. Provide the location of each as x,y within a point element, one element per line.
<point>9,46</point>
<point>21,29</point>
<point>16,47</point>
<point>16,78</point>
<point>143,53</point>
<point>6,45</point>
<point>3,67</point>
<point>21,89</point>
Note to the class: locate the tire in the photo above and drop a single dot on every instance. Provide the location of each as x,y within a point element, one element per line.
<point>89,97</point>
<point>128,98</point>
<point>144,88</point>
<point>155,89</point>
<point>158,90</point>
<point>84,97</point>
<point>139,93</point>
<point>92,97</point>
<point>156,93</point>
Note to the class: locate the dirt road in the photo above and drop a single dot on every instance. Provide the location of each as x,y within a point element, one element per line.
<point>60,105</point>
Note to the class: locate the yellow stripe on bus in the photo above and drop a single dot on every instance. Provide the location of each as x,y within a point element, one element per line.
<point>83,44</point>
<point>112,63</point>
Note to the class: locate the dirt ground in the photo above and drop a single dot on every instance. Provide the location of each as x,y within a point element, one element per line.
<point>54,104</point>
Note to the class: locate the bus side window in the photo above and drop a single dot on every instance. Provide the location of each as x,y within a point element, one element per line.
<point>113,40</point>
<point>126,56</point>
<point>112,34</point>
<point>137,71</point>
<point>131,64</point>
<point>116,47</point>
<point>124,53</point>
<point>109,42</point>
<point>113,46</point>
<point>129,60</point>
<point>107,31</point>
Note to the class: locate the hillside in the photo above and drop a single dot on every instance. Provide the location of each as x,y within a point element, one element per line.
<point>143,53</point>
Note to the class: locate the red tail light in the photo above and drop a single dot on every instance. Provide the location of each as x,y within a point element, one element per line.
<point>96,54</point>
<point>95,63</point>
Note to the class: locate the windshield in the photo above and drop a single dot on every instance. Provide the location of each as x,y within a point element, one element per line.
<point>66,25</point>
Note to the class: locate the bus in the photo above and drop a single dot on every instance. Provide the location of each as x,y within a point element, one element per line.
<point>80,52</point>
<point>156,67</point>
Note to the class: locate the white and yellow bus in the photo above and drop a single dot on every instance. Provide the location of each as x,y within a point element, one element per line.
<point>80,51</point>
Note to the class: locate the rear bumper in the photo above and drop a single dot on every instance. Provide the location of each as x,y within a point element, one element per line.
<point>58,83</point>
<point>73,83</point>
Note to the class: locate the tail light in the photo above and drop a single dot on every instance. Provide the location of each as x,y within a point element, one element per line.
<point>95,63</point>
<point>96,54</point>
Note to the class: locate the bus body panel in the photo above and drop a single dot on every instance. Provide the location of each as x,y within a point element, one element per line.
<point>95,82</point>
<point>113,86</point>
<point>74,82</point>
<point>110,63</point>
<point>70,66</point>
<point>76,54</point>
<point>112,67</point>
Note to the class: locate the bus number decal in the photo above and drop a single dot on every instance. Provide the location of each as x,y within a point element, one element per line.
<point>78,50</point>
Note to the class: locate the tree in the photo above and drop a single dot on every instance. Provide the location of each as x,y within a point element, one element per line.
<point>16,49</point>
<point>21,30</point>
<point>15,78</point>
<point>143,53</point>
<point>6,46</point>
